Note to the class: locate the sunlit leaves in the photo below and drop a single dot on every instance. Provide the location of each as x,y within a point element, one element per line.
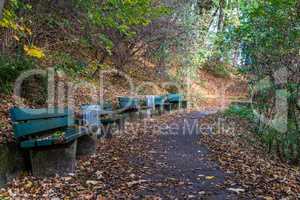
<point>20,31</point>
<point>8,20</point>
<point>34,51</point>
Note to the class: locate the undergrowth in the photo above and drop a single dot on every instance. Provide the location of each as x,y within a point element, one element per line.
<point>10,68</point>
<point>283,144</point>
<point>243,112</point>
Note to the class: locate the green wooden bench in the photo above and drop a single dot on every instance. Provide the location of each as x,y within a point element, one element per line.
<point>107,117</point>
<point>43,127</point>
<point>108,122</point>
<point>129,103</point>
<point>159,100</point>
<point>117,119</point>
<point>175,100</point>
<point>113,118</point>
<point>174,97</point>
<point>50,136</point>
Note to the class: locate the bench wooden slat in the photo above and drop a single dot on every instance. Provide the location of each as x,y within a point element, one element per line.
<point>37,126</point>
<point>46,142</point>
<point>27,144</point>
<point>175,97</point>
<point>128,102</point>
<point>107,106</point>
<point>36,143</point>
<point>69,136</point>
<point>110,121</point>
<point>23,114</point>
<point>159,100</point>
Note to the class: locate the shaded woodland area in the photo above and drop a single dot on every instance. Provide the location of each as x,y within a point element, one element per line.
<point>199,46</point>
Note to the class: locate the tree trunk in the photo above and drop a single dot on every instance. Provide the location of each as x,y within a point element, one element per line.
<point>221,16</point>
<point>1,7</point>
<point>292,118</point>
<point>101,61</point>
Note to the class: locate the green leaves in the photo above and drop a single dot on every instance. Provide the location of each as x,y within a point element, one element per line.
<point>243,112</point>
<point>119,20</point>
<point>107,43</point>
<point>10,69</point>
<point>122,15</point>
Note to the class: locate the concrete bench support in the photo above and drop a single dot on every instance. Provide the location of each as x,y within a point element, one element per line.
<point>50,161</point>
<point>12,162</point>
<point>86,145</point>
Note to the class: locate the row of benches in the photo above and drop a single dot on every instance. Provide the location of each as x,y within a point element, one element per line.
<point>158,100</point>
<point>53,139</point>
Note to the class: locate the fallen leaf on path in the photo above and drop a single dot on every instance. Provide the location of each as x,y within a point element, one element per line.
<point>209,177</point>
<point>237,190</point>
<point>132,183</point>
<point>91,182</point>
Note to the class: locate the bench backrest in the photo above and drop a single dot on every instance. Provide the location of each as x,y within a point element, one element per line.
<point>159,100</point>
<point>107,106</point>
<point>29,122</point>
<point>128,102</point>
<point>176,97</point>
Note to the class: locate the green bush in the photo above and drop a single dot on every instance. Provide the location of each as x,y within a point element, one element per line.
<point>34,90</point>
<point>10,68</point>
<point>217,68</point>
<point>243,112</point>
<point>244,70</point>
<point>68,64</point>
<point>285,145</point>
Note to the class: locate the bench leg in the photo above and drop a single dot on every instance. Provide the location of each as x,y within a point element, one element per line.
<point>168,107</point>
<point>13,162</point>
<point>86,145</point>
<point>175,106</point>
<point>184,104</point>
<point>107,130</point>
<point>161,110</point>
<point>55,160</point>
<point>121,124</point>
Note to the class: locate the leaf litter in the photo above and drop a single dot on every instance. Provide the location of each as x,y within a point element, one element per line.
<point>240,152</point>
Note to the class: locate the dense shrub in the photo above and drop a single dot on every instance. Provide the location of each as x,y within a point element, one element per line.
<point>243,112</point>
<point>10,69</point>
<point>217,68</point>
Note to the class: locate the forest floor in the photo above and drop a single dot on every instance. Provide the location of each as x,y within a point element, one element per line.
<point>165,158</point>
<point>199,154</point>
<point>153,162</point>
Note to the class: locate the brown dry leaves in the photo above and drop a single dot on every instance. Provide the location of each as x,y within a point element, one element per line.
<point>109,174</point>
<point>6,134</point>
<point>241,152</point>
